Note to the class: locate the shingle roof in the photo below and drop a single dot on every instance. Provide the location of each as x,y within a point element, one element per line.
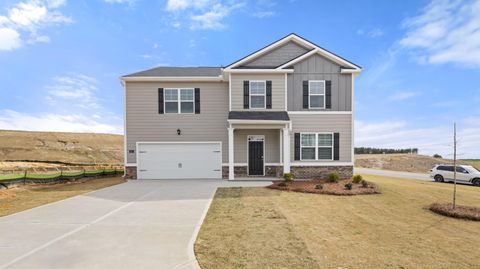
<point>258,115</point>
<point>168,71</point>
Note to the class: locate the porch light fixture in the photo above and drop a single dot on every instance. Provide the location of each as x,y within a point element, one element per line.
<point>179,132</point>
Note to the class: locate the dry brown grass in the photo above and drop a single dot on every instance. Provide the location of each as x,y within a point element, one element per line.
<point>404,162</point>
<point>263,228</point>
<point>460,211</point>
<point>26,197</point>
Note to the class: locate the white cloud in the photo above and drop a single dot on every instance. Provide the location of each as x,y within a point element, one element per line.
<point>9,39</point>
<point>373,33</point>
<point>438,139</point>
<point>399,96</point>
<point>129,2</point>
<point>445,32</point>
<point>79,89</point>
<point>176,5</point>
<point>28,18</point>
<point>13,120</point>
<point>445,104</point>
<point>264,14</point>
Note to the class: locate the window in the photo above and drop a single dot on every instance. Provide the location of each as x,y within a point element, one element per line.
<point>257,94</point>
<point>176,99</point>
<point>316,94</point>
<point>316,146</point>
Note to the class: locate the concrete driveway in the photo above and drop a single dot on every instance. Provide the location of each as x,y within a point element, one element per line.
<point>138,224</point>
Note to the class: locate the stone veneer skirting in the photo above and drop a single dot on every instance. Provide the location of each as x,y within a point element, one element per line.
<point>130,172</point>
<point>320,172</point>
<point>241,171</point>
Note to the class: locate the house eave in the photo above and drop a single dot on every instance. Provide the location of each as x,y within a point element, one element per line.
<point>198,78</point>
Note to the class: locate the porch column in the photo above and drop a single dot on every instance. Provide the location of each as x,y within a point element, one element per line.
<point>286,150</point>
<point>231,174</point>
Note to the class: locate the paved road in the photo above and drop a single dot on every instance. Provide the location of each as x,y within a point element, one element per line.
<point>138,224</point>
<point>389,173</point>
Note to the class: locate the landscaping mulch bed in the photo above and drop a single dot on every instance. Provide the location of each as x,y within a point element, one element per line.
<point>332,188</point>
<point>460,212</point>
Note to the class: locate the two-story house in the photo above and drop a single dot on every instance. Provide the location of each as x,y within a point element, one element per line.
<point>287,107</point>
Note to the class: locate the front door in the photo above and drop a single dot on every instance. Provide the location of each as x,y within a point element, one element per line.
<point>255,156</point>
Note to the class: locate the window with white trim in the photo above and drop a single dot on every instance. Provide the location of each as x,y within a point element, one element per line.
<point>316,94</point>
<point>316,146</point>
<point>257,94</point>
<point>179,101</point>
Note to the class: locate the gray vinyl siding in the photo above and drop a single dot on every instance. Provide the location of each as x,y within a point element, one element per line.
<point>278,90</point>
<point>317,67</point>
<point>341,123</point>
<point>278,56</point>
<point>272,145</point>
<point>145,124</point>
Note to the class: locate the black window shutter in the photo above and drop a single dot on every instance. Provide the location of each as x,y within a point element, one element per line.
<point>197,100</point>
<point>246,94</point>
<point>297,147</point>
<point>160,101</point>
<point>269,94</point>
<point>305,94</point>
<point>328,94</point>
<point>336,146</point>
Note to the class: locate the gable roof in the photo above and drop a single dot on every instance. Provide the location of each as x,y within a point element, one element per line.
<point>302,41</point>
<point>167,71</point>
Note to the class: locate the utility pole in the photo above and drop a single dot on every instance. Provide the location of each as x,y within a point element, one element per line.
<point>454,163</point>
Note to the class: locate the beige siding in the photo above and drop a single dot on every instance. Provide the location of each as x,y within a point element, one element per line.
<point>278,56</point>
<point>318,68</point>
<point>278,90</point>
<point>272,145</point>
<point>145,124</point>
<point>325,123</point>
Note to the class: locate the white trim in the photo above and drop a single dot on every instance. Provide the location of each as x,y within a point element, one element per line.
<point>258,121</point>
<point>317,94</point>
<point>286,149</point>
<point>250,94</point>
<point>130,164</point>
<point>125,146</point>
<point>262,137</point>
<point>349,71</point>
<point>296,60</point>
<point>316,146</point>
<point>281,71</point>
<point>352,135</point>
<point>231,153</point>
<point>219,78</point>
<point>319,112</point>
<point>286,92</point>
<point>229,92</point>
<point>297,163</point>
<point>179,101</point>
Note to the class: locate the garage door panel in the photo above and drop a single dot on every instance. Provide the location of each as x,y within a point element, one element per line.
<point>179,160</point>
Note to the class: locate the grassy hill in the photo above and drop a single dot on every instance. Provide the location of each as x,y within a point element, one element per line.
<point>68,148</point>
<point>404,162</point>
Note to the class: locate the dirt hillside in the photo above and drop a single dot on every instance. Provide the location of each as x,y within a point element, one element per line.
<point>75,148</point>
<point>404,162</point>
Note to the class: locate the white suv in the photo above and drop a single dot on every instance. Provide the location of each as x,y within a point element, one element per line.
<point>465,174</point>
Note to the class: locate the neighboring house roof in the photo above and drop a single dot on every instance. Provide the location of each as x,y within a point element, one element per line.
<point>167,71</point>
<point>258,115</point>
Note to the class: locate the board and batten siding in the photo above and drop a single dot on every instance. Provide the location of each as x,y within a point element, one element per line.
<point>278,90</point>
<point>272,144</point>
<point>317,67</point>
<point>278,56</point>
<point>340,123</point>
<point>144,123</point>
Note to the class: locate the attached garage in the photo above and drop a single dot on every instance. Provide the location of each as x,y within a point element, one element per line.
<point>179,160</point>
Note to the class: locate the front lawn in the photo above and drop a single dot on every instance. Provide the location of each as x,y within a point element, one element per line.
<point>25,197</point>
<point>264,228</point>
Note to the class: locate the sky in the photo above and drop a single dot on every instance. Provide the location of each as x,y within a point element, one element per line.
<point>60,61</point>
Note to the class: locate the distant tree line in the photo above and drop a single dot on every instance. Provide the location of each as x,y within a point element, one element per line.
<point>364,150</point>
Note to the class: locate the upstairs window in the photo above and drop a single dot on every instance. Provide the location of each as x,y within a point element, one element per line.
<point>257,94</point>
<point>179,101</point>
<point>316,94</point>
<point>316,146</point>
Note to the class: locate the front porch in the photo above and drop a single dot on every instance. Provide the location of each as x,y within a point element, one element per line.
<point>259,145</point>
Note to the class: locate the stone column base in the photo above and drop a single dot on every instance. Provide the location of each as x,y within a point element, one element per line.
<point>241,171</point>
<point>130,172</point>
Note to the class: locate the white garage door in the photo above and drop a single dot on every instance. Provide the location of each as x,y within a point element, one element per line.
<point>179,160</point>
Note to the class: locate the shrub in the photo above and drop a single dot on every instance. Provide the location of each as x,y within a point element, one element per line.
<point>288,176</point>
<point>333,177</point>
<point>364,183</point>
<point>319,186</point>
<point>357,179</point>
<point>438,156</point>
<point>348,186</point>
